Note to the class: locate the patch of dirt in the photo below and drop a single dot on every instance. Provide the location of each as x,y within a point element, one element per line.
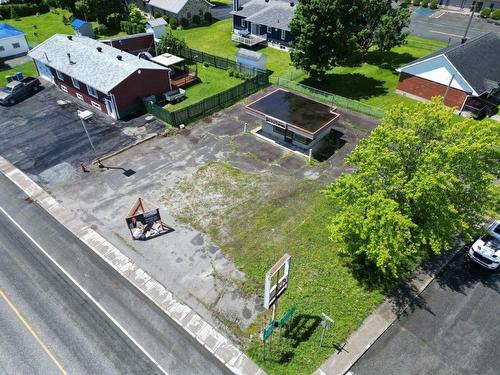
<point>218,193</point>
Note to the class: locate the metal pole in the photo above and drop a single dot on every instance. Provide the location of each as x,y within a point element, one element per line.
<point>448,87</point>
<point>322,336</point>
<point>464,39</point>
<point>90,139</point>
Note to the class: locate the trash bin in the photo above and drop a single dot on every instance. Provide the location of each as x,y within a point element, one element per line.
<point>19,76</point>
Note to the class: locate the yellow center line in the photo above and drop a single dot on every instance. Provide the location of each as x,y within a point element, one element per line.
<point>32,331</point>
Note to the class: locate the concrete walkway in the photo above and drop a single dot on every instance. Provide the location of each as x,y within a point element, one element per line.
<point>11,63</point>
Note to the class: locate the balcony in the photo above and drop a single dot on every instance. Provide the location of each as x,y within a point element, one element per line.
<point>248,39</point>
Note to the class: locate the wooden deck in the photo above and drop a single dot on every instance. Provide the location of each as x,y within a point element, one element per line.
<point>184,80</point>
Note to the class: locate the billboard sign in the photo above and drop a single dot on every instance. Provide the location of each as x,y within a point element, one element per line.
<point>276,281</point>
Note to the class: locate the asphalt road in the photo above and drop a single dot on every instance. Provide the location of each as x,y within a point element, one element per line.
<point>456,331</point>
<point>447,27</point>
<point>79,336</point>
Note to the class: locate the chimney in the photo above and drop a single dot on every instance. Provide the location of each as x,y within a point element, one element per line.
<point>236,5</point>
<point>69,57</point>
<point>70,37</point>
<point>119,57</point>
<point>99,49</point>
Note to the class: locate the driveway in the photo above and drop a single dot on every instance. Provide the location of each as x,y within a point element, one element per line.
<point>47,140</point>
<point>454,330</point>
<point>442,26</point>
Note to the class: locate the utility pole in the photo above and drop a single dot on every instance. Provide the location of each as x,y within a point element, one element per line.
<point>464,39</point>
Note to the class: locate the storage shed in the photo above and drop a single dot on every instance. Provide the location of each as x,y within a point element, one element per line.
<point>82,28</point>
<point>251,58</point>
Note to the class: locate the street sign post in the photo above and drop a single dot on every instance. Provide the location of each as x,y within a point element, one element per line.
<point>287,318</point>
<point>326,323</point>
<point>267,333</point>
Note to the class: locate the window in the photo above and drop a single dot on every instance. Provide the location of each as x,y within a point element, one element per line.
<point>188,14</point>
<point>64,88</point>
<point>59,75</point>
<point>2,48</point>
<point>269,30</point>
<point>279,130</point>
<point>243,23</point>
<point>16,45</point>
<point>283,34</point>
<point>80,96</point>
<point>95,105</point>
<point>92,91</point>
<point>75,82</point>
<point>300,139</point>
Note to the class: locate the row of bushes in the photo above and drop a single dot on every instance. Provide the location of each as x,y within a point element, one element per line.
<point>488,12</point>
<point>172,21</point>
<point>433,4</point>
<point>22,10</point>
<point>131,28</point>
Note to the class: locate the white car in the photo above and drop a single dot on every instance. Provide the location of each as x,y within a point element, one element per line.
<point>486,250</point>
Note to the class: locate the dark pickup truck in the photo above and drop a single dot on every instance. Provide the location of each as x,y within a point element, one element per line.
<point>15,91</point>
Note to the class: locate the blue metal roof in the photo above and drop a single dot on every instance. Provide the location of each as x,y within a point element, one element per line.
<point>7,31</point>
<point>77,23</point>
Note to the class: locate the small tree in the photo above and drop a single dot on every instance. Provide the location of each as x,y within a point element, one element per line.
<point>416,3</point>
<point>422,177</point>
<point>485,13</point>
<point>13,13</point>
<point>135,15</point>
<point>495,15</point>
<point>173,23</point>
<point>184,22</point>
<point>171,44</point>
<point>424,4</point>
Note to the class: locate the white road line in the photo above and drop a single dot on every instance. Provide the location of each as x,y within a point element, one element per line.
<point>120,327</point>
<point>441,32</point>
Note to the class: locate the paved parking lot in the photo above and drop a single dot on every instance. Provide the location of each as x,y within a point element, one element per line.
<point>455,330</point>
<point>45,139</point>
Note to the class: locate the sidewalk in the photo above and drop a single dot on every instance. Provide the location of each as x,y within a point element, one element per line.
<point>406,296</point>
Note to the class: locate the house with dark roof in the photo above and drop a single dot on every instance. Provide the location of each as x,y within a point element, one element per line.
<point>110,80</point>
<point>263,22</point>
<point>465,74</point>
<point>82,28</point>
<point>178,9</point>
<point>12,41</point>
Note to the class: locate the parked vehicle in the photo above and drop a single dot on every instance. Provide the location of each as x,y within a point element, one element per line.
<point>486,250</point>
<point>175,95</point>
<point>15,90</point>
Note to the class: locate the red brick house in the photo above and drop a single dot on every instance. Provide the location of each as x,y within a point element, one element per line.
<point>111,80</point>
<point>465,74</point>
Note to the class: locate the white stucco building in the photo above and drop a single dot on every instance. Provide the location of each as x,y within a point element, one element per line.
<point>12,42</point>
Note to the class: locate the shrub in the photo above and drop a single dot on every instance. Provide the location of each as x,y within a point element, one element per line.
<point>13,14</point>
<point>157,14</point>
<point>434,4</point>
<point>496,15</point>
<point>485,13</point>
<point>405,3</point>
<point>416,3</point>
<point>208,17</point>
<point>231,72</point>
<point>206,65</point>
<point>172,21</point>
<point>424,4</point>
<point>113,21</point>
<point>22,10</point>
<point>101,30</point>
<point>65,19</point>
<point>196,19</point>
<point>184,22</point>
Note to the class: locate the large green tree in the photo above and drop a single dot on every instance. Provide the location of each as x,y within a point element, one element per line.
<point>324,33</point>
<point>98,9</point>
<point>171,44</point>
<point>421,178</point>
<point>379,23</point>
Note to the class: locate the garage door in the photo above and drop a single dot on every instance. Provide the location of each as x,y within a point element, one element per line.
<point>44,71</point>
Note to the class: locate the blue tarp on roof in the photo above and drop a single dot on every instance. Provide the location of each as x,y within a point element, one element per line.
<point>7,31</point>
<point>77,23</point>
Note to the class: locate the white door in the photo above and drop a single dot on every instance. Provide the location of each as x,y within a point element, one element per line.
<point>110,108</point>
<point>44,71</point>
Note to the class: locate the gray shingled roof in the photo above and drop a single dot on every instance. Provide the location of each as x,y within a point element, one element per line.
<point>275,13</point>
<point>157,22</point>
<point>477,60</point>
<point>100,70</point>
<point>173,6</point>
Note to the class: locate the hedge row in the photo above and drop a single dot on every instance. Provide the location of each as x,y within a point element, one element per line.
<point>131,28</point>
<point>22,10</point>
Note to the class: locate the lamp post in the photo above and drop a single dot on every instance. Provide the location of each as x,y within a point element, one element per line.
<point>87,115</point>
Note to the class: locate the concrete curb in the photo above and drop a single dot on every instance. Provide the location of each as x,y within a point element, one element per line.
<point>218,345</point>
<point>107,156</point>
<point>374,326</point>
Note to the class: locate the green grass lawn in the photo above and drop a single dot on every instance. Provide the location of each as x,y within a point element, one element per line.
<point>212,81</point>
<point>372,82</point>
<point>41,27</point>
<point>256,218</point>
<point>28,69</point>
